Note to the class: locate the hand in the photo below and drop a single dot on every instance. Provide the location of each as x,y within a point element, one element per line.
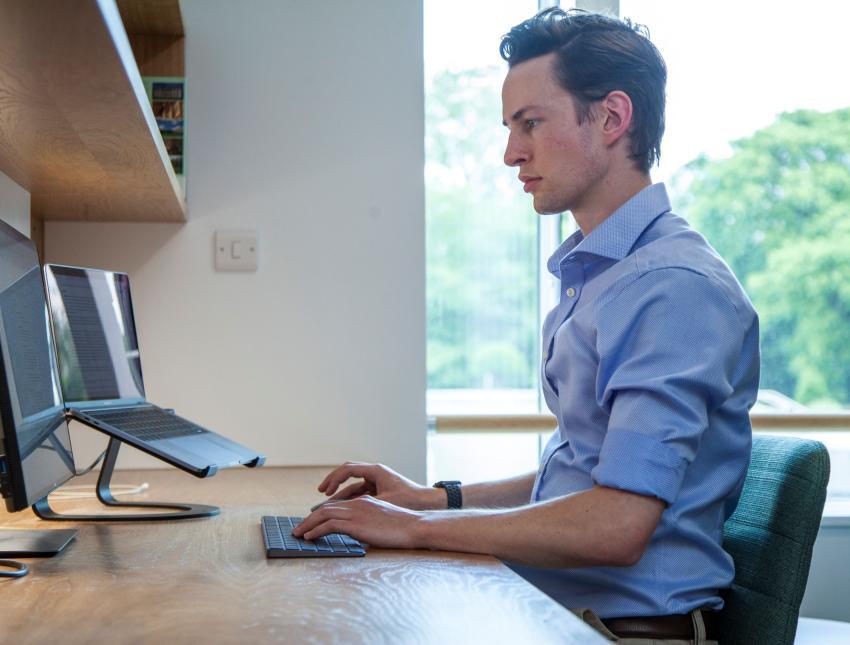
<point>382,483</point>
<point>367,519</point>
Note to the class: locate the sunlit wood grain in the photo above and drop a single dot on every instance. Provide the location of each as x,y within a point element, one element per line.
<point>208,580</point>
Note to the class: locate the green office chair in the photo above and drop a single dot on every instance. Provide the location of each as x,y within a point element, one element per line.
<point>770,537</point>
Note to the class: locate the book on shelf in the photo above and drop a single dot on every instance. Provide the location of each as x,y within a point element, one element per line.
<point>167,95</point>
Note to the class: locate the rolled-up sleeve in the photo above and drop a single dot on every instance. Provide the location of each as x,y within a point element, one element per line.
<point>668,344</point>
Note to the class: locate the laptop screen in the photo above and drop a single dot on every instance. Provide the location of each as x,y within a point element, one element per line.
<point>95,334</point>
<point>35,446</point>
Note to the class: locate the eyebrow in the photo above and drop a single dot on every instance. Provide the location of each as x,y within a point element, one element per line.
<point>518,114</point>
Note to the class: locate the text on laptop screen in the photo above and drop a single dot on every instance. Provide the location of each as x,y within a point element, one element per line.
<point>95,334</point>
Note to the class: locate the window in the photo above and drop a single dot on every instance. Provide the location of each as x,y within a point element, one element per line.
<point>481,231</point>
<point>482,243</point>
<point>756,156</point>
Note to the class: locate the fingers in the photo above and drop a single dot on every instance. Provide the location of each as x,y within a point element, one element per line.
<point>325,528</point>
<point>332,474</point>
<point>349,492</point>
<point>366,519</point>
<point>323,515</point>
<point>337,476</point>
<point>327,519</point>
<point>353,490</point>
<point>341,473</point>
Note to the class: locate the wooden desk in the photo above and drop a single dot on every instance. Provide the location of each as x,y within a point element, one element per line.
<point>208,580</point>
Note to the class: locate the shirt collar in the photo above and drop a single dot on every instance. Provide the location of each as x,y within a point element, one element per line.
<point>618,232</point>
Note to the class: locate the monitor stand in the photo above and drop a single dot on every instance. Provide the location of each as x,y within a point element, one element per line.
<point>178,512</point>
<point>26,543</point>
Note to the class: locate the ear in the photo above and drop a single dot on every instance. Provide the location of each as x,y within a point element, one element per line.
<point>616,111</point>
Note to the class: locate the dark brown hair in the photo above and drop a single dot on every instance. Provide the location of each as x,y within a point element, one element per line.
<point>596,55</point>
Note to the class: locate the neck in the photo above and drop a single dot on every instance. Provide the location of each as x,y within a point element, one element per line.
<point>606,196</point>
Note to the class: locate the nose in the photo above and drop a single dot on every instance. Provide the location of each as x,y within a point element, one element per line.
<point>516,154</point>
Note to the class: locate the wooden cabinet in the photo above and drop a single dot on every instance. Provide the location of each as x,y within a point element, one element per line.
<point>76,128</point>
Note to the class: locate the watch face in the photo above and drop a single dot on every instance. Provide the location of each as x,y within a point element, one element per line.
<point>443,484</point>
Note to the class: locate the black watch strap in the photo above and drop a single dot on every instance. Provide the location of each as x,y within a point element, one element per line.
<point>452,488</point>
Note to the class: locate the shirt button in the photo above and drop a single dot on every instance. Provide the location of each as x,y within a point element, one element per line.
<point>570,292</point>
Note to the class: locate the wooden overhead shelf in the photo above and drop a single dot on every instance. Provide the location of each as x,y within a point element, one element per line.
<point>155,28</point>
<point>76,128</point>
<point>151,17</point>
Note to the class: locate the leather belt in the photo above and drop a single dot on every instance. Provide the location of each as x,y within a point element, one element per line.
<point>675,626</point>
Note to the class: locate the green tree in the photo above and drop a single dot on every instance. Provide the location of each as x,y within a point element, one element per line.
<point>778,211</point>
<point>481,239</point>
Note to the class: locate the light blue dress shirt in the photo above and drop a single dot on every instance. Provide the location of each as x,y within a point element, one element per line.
<point>651,364</point>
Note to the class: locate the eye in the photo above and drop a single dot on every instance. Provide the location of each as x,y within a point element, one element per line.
<point>530,124</point>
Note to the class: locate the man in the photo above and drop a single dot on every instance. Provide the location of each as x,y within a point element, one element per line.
<point>650,363</point>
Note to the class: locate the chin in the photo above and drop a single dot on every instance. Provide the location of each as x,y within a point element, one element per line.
<point>547,208</point>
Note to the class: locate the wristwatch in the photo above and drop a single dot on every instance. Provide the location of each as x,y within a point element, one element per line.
<point>452,489</point>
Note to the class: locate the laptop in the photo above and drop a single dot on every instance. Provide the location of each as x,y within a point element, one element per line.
<point>100,369</point>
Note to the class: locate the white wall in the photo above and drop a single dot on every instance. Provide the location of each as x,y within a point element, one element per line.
<point>304,122</point>
<point>14,205</point>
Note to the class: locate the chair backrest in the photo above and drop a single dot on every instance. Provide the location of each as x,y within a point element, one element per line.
<point>770,537</point>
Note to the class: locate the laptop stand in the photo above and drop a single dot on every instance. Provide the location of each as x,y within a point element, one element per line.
<point>178,512</point>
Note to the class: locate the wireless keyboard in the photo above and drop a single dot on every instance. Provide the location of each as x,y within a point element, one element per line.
<point>280,543</point>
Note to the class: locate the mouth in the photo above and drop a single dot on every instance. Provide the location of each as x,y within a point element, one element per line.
<point>528,185</point>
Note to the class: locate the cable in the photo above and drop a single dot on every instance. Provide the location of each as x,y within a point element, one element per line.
<point>86,492</point>
<point>80,473</point>
<point>19,569</point>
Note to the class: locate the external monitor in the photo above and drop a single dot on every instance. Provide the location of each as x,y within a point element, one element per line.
<point>35,445</point>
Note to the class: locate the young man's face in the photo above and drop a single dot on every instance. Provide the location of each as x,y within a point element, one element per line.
<point>559,160</point>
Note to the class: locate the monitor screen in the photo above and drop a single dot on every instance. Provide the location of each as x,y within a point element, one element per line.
<point>95,334</point>
<point>36,445</point>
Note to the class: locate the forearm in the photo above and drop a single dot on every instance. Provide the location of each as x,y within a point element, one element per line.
<point>592,528</point>
<point>504,493</point>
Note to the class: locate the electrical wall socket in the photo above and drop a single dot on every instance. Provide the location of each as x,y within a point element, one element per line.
<point>236,251</point>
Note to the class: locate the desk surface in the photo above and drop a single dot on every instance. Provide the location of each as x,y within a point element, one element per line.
<point>208,579</point>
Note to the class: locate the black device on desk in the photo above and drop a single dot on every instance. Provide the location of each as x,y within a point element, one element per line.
<point>280,543</point>
<point>100,368</point>
<point>35,445</point>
